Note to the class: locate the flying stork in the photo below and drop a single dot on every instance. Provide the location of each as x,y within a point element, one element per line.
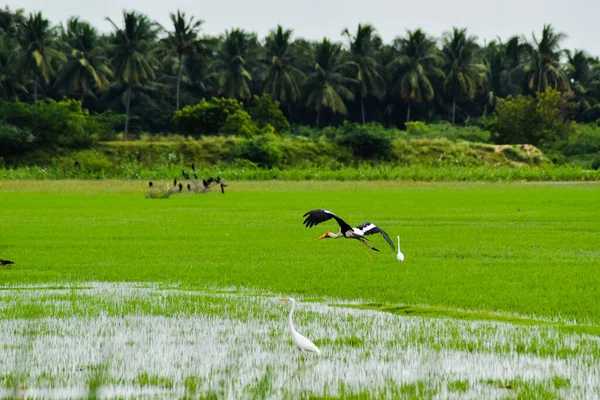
<point>315,217</point>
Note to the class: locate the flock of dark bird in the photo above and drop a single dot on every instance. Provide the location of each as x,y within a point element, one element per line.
<point>314,217</point>
<point>194,184</point>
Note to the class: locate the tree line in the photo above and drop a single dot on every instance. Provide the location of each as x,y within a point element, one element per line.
<point>148,71</point>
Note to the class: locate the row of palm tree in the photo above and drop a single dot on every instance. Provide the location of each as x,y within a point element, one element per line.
<point>362,79</point>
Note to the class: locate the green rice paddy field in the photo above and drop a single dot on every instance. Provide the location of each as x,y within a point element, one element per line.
<point>116,295</point>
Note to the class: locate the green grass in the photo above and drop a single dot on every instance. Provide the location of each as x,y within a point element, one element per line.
<point>530,249</point>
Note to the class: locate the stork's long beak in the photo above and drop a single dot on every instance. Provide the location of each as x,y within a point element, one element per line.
<point>323,236</point>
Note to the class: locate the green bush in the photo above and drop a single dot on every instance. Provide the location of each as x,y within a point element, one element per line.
<point>13,139</point>
<point>448,131</point>
<point>542,120</point>
<point>102,126</point>
<point>369,141</point>
<point>63,123</point>
<point>262,150</point>
<point>264,111</point>
<point>205,118</point>
<point>239,124</point>
<point>596,163</point>
<point>586,141</point>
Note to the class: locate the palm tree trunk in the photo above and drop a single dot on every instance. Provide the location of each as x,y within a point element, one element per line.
<point>453,108</point>
<point>408,112</point>
<point>127,112</point>
<point>318,115</point>
<point>179,73</point>
<point>539,89</point>
<point>35,90</point>
<point>82,98</point>
<point>362,109</point>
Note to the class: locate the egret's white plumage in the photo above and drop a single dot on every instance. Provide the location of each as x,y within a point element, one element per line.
<point>399,256</point>
<point>300,341</point>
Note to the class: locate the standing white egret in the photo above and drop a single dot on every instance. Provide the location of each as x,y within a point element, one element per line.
<point>300,341</point>
<point>399,256</point>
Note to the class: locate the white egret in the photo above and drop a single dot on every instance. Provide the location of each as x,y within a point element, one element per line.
<point>300,341</point>
<point>399,256</point>
<point>315,217</point>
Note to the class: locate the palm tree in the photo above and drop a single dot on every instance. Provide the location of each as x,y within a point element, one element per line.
<point>11,21</point>
<point>464,74</point>
<point>87,65</point>
<point>37,51</point>
<point>417,61</point>
<point>183,42</point>
<point>134,62</point>
<point>367,70</point>
<point>233,64</point>
<point>327,85</point>
<point>283,78</point>
<point>10,85</point>
<point>584,77</point>
<point>543,67</point>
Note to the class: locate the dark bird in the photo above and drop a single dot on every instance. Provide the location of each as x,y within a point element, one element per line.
<point>195,176</point>
<point>150,184</point>
<point>189,187</point>
<point>315,217</point>
<point>218,180</point>
<point>205,183</point>
<point>180,187</point>
<point>175,182</point>
<point>193,168</point>
<point>5,262</point>
<point>223,186</point>
<point>77,164</point>
<point>186,176</point>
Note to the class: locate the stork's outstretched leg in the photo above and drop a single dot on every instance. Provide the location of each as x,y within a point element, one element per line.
<point>363,241</point>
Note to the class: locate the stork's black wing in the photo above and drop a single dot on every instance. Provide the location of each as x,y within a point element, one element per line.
<point>315,217</point>
<point>368,228</point>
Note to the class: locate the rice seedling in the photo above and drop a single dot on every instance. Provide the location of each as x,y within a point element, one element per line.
<point>133,340</point>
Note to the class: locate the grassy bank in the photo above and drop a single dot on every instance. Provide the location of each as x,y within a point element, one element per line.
<point>134,171</point>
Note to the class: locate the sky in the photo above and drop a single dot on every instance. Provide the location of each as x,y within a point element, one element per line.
<point>314,19</point>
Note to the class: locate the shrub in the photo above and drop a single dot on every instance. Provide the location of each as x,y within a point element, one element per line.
<point>264,111</point>
<point>596,162</point>
<point>446,130</point>
<point>586,141</point>
<point>239,123</point>
<point>205,118</point>
<point>62,123</point>
<point>102,126</point>
<point>370,141</point>
<point>540,121</point>
<point>262,150</point>
<point>13,139</point>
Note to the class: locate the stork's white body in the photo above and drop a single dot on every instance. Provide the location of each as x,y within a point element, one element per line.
<point>315,217</point>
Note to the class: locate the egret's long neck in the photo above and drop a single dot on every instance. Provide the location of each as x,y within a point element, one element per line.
<point>291,319</point>
<point>398,243</point>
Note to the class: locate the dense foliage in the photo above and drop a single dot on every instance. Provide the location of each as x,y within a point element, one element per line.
<point>142,69</point>
<point>67,86</point>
